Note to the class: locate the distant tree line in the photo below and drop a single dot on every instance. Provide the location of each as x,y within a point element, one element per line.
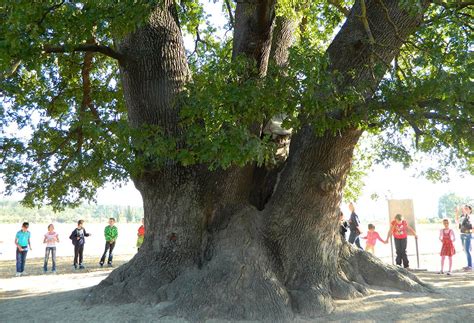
<point>448,202</point>
<point>13,212</point>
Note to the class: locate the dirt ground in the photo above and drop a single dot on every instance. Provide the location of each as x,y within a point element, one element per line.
<point>58,298</point>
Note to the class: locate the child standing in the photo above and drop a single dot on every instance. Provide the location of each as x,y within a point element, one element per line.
<point>372,237</point>
<point>78,240</point>
<point>50,238</point>
<point>111,234</point>
<point>399,229</point>
<point>343,226</point>
<point>140,235</point>
<point>446,236</point>
<point>22,242</point>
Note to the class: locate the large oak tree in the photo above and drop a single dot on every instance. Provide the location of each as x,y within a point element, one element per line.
<point>98,91</point>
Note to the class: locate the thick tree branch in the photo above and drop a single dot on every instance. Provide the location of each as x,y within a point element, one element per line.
<point>365,22</point>
<point>229,10</point>
<point>338,5</point>
<point>105,50</point>
<point>254,21</point>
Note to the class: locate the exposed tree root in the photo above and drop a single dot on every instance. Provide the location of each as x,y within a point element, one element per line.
<point>239,281</point>
<point>312,302</point>
<point>365,269</point>
<point>236,282</point>
<point>136,281</point>
<point>342,288</point>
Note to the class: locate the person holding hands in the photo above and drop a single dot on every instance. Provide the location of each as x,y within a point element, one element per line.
<point>399,228</point>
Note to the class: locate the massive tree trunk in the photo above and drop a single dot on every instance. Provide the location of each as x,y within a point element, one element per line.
<point>152,75</point>
<point>208,253</point>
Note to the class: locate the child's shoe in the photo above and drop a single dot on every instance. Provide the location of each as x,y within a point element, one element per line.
<point>81,267</point>
<point>18,275</point>
<point>448,273</point>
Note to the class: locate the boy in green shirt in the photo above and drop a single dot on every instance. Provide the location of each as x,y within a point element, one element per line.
<point>111,234</point>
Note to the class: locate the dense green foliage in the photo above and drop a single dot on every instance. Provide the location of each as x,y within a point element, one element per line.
<point>58,151</point>
<point>14,212</point>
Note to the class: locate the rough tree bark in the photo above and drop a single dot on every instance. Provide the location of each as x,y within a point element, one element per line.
<point>315,173</point>
<point>253,31</point>
<point>265,176</point>
<point>208,253</point>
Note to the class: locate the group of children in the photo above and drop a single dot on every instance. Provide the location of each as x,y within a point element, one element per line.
<point>78,235</point>
<point>399,230</point>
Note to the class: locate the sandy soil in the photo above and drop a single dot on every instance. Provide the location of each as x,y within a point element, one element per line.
<point>58,298</point>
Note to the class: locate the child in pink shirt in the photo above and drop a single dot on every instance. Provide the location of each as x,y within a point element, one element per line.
<point>372,237</point>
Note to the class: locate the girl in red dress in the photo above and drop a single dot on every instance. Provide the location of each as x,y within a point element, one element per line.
<point>446,236</point>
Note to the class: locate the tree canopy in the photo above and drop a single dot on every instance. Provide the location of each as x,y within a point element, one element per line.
<point>64,122</point>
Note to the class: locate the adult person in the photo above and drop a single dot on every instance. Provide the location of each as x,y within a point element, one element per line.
<point>465,226</point>
<point>399,228</point>
<point>354,227</point>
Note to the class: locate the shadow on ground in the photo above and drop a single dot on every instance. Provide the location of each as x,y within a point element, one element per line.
<point>452,301</point>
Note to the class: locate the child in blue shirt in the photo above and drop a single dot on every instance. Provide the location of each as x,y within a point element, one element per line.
<point>22,242</point>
